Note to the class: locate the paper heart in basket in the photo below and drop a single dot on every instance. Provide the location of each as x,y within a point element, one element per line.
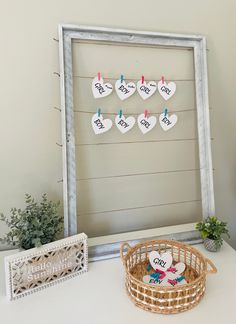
<point>171,277</point>
<point>160,262</point>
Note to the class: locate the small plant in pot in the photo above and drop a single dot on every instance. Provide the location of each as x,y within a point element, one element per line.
<point>39,223</point>
<point>211,230</point>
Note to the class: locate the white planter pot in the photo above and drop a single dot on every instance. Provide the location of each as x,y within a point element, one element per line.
<point>211,245</point>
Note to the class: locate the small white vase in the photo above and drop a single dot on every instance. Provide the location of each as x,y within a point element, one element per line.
<point>211,245</point>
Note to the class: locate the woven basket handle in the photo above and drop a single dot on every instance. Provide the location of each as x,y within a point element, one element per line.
<point>124,246</point>
<point>212,267</point>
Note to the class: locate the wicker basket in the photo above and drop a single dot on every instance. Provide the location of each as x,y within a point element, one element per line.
<point>165,299</point>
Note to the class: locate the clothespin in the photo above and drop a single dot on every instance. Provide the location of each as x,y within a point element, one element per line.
<point>99,112</point>
<point>149,267</point>
<point>121,113</point>
<point>99,76</point>
<point>162,79</point>
<point>121,78</point>
<point>142,78</point>
<point>145,113</point>
<point>166,112</point>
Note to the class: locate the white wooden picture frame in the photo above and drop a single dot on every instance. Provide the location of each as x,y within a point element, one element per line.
<point>109,246</point>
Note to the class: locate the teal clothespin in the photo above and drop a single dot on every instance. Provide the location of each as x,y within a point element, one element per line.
<point>121,78</point>
<point>99,112</point>
<point>121,113</point>
<point>166,112</point>
<point>149,267</point>
<point>179,279</point>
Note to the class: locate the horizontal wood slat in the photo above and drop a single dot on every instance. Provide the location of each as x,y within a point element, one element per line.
<point>127,159</point>
<point>143,218</point>
<point>113,61</point>
<point>101,195</point>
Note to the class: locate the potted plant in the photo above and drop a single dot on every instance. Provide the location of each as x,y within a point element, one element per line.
<point>39,223</point>
<point>211,230</point>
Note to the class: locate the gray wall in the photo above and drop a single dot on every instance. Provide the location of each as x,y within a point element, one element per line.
<point>29,127</point>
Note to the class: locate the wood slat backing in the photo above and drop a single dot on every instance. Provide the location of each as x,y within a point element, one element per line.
<point>113,60</point>
<point>183,99</point>
<point>135,158</point>
<point>184,129</point>
<point>107,194</point>
<point>139,219</point>
<point>128,182</point>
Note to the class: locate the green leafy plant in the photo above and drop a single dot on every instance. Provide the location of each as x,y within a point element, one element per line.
<point>39,223</point>
<point>213,229</point>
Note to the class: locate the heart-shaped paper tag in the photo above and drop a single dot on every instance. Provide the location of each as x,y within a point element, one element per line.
<point>167,122</point>
<point>145,124</point>
<point>100,125</point>
<point>166,90</point>
<point>124,124</point>
<point>160,262</point>
<point>172,276</point>
<point>146,90</point>
<point>151,281</point>
<point>178,268</point>
<point>124,90</point>
<point>101,89</point>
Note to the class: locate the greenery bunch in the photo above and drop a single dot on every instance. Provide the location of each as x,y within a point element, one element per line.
<point>39,223</point>
<point>213,229</point>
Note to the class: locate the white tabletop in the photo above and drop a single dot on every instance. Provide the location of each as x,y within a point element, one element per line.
<point>99,296</point>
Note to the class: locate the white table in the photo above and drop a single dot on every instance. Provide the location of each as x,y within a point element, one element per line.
<point>99,296</point>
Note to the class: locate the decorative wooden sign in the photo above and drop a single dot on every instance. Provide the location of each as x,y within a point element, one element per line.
<point>38,268</point>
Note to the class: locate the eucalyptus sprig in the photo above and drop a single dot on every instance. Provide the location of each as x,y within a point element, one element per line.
<point>39,223</point>
<point>213,229</point>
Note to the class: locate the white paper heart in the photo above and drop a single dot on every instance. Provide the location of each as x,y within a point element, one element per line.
<point>180,267</point>
<point>160,262</point>
<point>166,90</point>
<point>145,124</point>
<point>146,90</point>
<point>151,281</point>
<point>100,125</point>
<point>167,122</point>
<point>124,90</point>
<point>124,124</point>
<point>182,282</point>
<point>101,89</point>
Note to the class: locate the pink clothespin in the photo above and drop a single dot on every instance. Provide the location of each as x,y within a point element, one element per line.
<point>162,79</point>
<point>99,76</point>
<point>142,78</point>
<point>145,113</point>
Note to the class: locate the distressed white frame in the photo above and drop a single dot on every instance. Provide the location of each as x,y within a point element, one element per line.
<point>67,33</point>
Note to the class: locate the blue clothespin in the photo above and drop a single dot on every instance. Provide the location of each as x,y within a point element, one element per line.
<point>149,267</point>
<point>121,78</point>
<point>121,113</point>
<point>155,275</point>
<point>179,279</point>
<point>166,112</point>
<point>99,112</point>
